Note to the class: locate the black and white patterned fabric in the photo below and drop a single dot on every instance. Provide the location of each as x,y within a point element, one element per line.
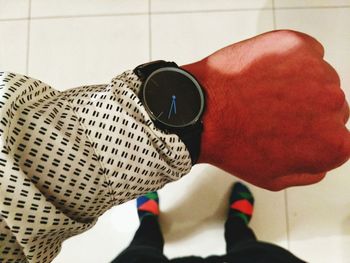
<point>67,157</point>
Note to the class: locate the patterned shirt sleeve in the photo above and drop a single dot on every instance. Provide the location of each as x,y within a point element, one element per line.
<point>67,157</point>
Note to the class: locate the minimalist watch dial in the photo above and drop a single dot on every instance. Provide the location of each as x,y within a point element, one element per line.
<point>173,97</point>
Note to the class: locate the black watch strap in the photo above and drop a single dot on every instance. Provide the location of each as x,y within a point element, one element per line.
<point>144,70</point>
<point>191,136</point>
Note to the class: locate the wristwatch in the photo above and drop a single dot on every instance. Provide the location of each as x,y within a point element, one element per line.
<point>174,100</point>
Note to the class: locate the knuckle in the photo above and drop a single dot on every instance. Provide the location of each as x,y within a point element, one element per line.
<point>337,99</point>
<point>302,39</point>
<point>341,149</point>
<point>274,186</point>
<point>289,33</point>
<point>290,37</point>
<point>330,74</point>
<point>346,112</point>
<point>344,148</point>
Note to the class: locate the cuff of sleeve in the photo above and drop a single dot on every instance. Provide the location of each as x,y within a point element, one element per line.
<point>175,159</point>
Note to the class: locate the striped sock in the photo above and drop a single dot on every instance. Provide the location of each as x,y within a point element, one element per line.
<point>148,205</point>
<point>241,202</point>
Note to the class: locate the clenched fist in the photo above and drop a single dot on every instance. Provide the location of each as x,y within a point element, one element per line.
<point>275,112</point>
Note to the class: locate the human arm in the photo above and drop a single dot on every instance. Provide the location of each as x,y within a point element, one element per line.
<point>275,112</point>
<point>67,157</point>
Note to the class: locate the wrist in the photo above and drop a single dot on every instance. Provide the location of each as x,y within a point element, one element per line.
<point>209,135</point>
<point>221,125</point>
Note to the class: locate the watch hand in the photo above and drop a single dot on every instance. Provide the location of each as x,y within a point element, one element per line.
<point>155,83</point>
<point>174,101</point>
<point>159,114</point>
<point>172,106</point>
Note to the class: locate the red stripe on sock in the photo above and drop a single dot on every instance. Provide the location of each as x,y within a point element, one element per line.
<point>150,206</point>
<point>243,206</point>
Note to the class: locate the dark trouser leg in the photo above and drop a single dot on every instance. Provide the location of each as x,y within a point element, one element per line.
<point>148,234</point>
<point>237,231</point>
<point>147,244</point>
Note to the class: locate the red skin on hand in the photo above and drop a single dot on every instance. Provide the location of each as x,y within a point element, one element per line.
<point>275,114</point>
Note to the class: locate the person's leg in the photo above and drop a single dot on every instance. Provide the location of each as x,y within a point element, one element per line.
<point>149,233</point>
<point>239,215</point>
<point>241,243</point>
<point>148,241</point>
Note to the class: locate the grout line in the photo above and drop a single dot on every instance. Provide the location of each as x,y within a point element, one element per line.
<point>175,12</point>
<point>209,11</point>
<point>245,9</point>
<point>149,31</point>
<point>90,15</point>
<point>274,15</point>
<point>13,19</point>
<point>312,7</point>
<point>28,36</point>
<point>287,217</point>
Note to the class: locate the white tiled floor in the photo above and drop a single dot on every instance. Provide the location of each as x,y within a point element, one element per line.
<point>70,43</point>
<point>13,47</point>
<point>58,8</point>
<point>70,51</point>
<point>14,9</point>
<point>311,3</point>
<point>187,37</point>
<point>209,5</point>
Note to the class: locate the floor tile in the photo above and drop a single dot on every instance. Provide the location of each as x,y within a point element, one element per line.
<point>112,233</point>
<point>310,3</point>
<point>44,8</point>
<point>195,5</point>
<point>11,9</point>
<point>194,211</point>
<point>186,38</point>
<point>13,51</point>
<point>319,218</point>
<point>78,51</point>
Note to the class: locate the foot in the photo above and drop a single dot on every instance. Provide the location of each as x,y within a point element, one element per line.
<point>148,205</point>
<point>241,203</point>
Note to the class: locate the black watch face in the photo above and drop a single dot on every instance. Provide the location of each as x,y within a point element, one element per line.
<point>173,97</point>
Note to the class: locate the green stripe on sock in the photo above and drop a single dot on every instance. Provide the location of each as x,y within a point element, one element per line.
<point>241,215</point>
<point>246,195</point>
<point>152,195</point>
